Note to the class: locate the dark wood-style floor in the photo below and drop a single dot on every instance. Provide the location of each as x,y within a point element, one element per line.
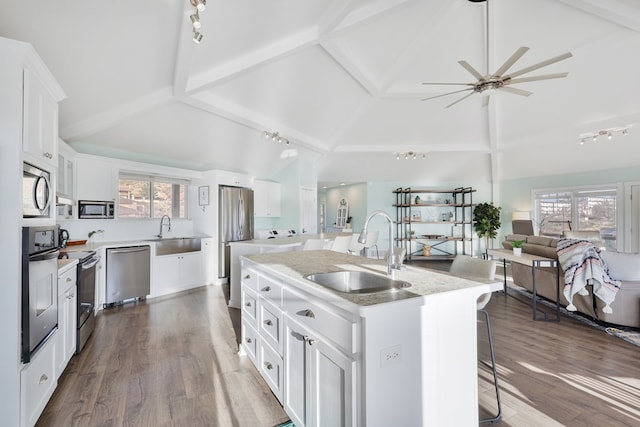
<point>174,362</point>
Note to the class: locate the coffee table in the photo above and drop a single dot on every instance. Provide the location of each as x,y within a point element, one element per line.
<point>535,262</point>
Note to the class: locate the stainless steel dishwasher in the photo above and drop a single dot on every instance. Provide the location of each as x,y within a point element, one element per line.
<point>128,274</point>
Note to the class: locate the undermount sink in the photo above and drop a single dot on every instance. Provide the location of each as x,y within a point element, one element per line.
<point>177,245</point>
<point>356,282</point>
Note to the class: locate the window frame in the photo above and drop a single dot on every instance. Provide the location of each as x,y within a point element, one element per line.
<point>575,192</point>
<point>159,179</point>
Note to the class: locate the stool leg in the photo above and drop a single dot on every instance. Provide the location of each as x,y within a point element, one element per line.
<point>498,416</point>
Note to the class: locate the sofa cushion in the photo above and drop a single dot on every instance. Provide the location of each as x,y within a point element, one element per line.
<point>512,237</point>
<point>542,240</point>
<point>540,250</point>
<point>622,266</point>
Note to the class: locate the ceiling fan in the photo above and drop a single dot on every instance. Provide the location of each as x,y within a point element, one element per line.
<point>499,80</point>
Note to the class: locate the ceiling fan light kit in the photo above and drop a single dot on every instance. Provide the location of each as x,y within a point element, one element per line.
<point>500,80</point>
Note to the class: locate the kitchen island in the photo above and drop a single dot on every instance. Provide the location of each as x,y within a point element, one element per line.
<point>397,357</point>
<point>261,246</point>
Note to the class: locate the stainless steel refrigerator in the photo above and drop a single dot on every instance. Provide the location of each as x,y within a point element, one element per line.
<point>235,222</point>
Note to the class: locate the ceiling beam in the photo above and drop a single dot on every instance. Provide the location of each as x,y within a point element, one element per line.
<point>114,116</point>
<point>206,101</point>
<point>616,11</point>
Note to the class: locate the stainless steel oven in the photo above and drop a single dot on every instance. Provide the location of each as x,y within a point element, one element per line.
<point>36,192</point>
<point>86,284</point>
<point>39,314</point>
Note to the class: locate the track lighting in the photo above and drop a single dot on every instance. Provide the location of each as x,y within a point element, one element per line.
<point>410,155</point>
<point>609,133</point>
<point>275,137</point>
<point>195,20</point>
<point>200,5</point>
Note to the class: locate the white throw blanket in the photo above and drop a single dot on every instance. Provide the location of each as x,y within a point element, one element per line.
<point>582,265</point>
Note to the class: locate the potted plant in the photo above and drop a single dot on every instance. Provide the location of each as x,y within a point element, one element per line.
<point>487,222</point>
<point>517,246</point>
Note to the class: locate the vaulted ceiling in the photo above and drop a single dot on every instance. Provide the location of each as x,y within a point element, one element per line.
<point>342,80</point>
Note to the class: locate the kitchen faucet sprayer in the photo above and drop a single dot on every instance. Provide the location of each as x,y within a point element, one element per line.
<point>363,237</point>
<point>162,224</point>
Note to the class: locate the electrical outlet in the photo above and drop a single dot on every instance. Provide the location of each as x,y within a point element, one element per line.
<point>390,356</point>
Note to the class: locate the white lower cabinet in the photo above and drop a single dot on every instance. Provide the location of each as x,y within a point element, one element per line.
<point>37,382</point>
<point>319,379</point>
<point>67,308</point>
<point>175,273</point>
<point>303,349</point>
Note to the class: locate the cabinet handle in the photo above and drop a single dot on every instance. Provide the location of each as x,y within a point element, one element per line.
<point>70,296</point>
<point>248,340</point>
<point>43,379</point>
<point>266,289</point>
<point>69,279</point>
<point>311,341</point>
<point>268,322</point>
<point>48,155</point>
<point>268,365</point>
<point>248,304</point>
<point>248,276</point>
<point>309,313</point>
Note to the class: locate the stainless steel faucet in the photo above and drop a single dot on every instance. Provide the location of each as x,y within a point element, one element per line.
<point>162,224</point>
<point>363,237</point>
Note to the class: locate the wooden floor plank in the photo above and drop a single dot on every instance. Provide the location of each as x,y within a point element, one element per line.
<point>174,362</point>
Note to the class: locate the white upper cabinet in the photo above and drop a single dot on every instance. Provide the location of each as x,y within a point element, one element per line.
<point>97,179</point>
<point>266,198</point>
<point>40,126</point>
<point>66,170</point>
<point>233,179</point>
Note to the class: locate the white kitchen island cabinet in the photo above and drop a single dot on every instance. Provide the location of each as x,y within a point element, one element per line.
<point>404,357</point>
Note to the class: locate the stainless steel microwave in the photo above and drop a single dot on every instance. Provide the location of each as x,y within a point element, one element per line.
<point>36,192</point>
<point>96,209</point>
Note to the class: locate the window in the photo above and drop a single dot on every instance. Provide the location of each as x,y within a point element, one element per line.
<point>578,209</point>
<point>142,196</point>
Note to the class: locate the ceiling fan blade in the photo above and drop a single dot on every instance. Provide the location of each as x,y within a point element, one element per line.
<point>512,60</point>
<point>448,93</point>
<point>449,84</point>
<point>472,70</point>
<point>541,64</point>
<point>461,99</point>
<point>515,91</point>
<point>536,78</point>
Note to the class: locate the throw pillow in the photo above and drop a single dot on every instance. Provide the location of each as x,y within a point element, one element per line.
<point>622,266</point>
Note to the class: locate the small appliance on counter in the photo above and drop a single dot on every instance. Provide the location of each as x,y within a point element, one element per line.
<point>63,237</point>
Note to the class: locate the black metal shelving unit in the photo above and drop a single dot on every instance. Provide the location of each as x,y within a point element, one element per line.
<point>441,220</point>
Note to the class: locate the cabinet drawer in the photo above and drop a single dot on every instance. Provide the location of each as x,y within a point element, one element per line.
<point>271,324</point>
<point>250,341</point>
<point>271,369</point>
<point>322,319</point>
<point>38,381</point>
<point>249,278</point>
<point>66,280</point>
<point>249,306</point>
<point>270,290</point>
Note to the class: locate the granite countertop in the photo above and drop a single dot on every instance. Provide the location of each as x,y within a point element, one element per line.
<point>93,246</point>
<point>65,265</point>
<point>296,240</point>
<point>424,282</point>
